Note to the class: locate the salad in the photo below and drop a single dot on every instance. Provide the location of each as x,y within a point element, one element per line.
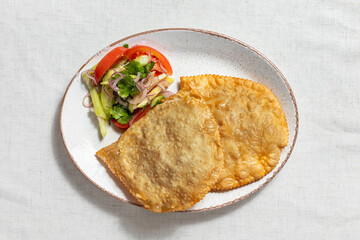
<point>126,84</point>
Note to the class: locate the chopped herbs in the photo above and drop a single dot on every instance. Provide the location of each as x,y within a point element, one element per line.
<point>134,67</point>
<point>119,113</point>
<point>127,87</point>
<point>148,67</point>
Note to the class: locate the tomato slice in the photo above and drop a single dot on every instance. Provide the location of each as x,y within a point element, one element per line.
<point>141,49</point>
<point>107,62</point>
<point>157,69</point>
<point>139,114</point>
<point>119,125</point>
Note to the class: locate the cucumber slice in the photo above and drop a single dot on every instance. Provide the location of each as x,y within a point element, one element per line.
<point>156,101</point>
<point>143,59</point>
<point>131,108</point>
<point>102,124</point>
<point>119,68</point>
<point>95,98</point>
<point>106,100</point>
<point>162,76</point>
<point>155,92</point>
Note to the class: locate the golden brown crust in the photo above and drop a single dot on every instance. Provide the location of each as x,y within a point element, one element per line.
<point>251,122</point>
<point>170,158</point>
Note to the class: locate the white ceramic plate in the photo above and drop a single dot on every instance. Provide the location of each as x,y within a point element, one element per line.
<point>190,52</point>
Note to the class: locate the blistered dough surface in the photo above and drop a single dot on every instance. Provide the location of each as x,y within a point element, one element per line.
<point>251,122</point>
<point>170,158</point>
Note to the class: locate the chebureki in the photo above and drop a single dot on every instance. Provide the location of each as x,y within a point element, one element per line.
<point>251,122</point>
<point>216,133</point>
<point>170,158</point>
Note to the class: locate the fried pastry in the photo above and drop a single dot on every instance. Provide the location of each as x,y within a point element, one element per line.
<point>170,158</point>
<point>251,122</point>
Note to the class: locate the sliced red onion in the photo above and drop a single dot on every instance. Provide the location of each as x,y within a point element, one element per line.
<point>107,93</point>
<point>160,85</point>
<point>142,97</point>
<point>138,86</point>
<point>137,77</point>
<point>87,72</point>
<point>113,83</point>
<point>167,93</point>
<point>92,109</point>
<point>141,85</point>
<point>134,117</point>
<point>114,87</point>
<point>148,97</point>
<point>154,79</point>
<point>115,73</point>
<point>90,103</point>
<point>162,67</point>
<point>118,99</point>
<point>146,82</point>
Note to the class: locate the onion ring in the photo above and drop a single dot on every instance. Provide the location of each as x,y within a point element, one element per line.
<point>90,103</point>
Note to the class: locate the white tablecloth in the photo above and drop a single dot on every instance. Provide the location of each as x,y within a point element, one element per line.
<point>315,44</point>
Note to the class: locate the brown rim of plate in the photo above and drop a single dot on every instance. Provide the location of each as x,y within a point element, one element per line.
<point>205,32</point>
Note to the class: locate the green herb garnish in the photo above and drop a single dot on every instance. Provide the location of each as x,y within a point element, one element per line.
<point>134,67</point>
<point>121,115</point>
<point>127,87</point>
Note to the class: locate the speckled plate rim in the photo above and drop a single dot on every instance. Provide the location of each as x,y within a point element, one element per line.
<point>204,32</point>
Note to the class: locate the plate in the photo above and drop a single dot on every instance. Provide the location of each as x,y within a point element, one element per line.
<point>190,52</point>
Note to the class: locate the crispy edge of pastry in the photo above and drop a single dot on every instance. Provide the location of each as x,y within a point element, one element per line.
<point>210,81</point>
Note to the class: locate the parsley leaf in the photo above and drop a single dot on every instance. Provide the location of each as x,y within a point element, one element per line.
<point>134,67</point>
<point>148,67</point>
<point>120,114</point>
<point>126,45</point>
<point>127,87</point>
